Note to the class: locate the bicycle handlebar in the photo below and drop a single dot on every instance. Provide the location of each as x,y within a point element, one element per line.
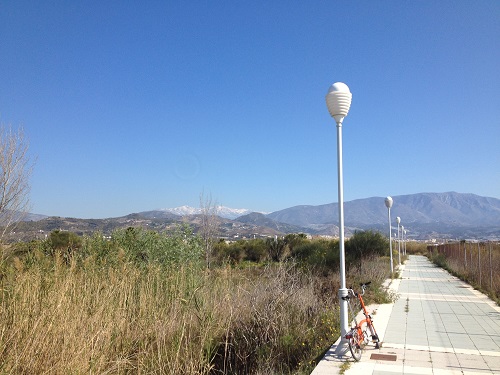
<point>352,293</point>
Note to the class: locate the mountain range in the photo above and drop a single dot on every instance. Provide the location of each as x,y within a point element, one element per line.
<point>424,214</point>
<point>448,215</point>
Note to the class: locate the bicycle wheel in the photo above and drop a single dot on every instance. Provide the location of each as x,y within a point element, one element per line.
<point>354,344</point>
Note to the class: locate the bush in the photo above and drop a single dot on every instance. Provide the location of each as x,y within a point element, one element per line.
<point>276,248</point>
<point>227,253</point>
<point>146,246</point>
<point>254,250</point>
<point>364,244</point>
<point>320,254</point>
<point>64,240</point>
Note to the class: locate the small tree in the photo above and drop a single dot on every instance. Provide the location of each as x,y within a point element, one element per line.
<point>275,248</point>
<point>209,225</point>
<point>15,173</point>
<point>64,243</point>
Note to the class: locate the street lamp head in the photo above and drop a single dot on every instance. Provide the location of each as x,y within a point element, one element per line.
<point>388,202</point>
<point>398,220</point>
<point>403,228</point>
<point>338,101</point>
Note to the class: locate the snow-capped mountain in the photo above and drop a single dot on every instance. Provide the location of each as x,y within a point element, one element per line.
<point>222,211</point>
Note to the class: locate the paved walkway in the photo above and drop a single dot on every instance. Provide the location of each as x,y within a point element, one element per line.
<point>438,325</point>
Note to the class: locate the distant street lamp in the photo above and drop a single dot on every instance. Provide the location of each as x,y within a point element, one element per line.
<point>398,219</point>
<point>403,237</point>
<point>388,204</point>
<point>338,101</point>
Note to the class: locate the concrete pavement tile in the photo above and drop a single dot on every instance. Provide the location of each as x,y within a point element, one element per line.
<point>419,364</point>
<point>416,370</point>
<point>472,327</point>
<point>493,363</point>
<point>417,347</point>
<point>445,361</point>
<point>398,352</point>
<point>393,345</point>
<point>484,343</point>
<point>417,355</point>
<point>416,335</point>
<point>491,328</point>
<point>459,351</point>
<point>415,358</point>
<point>438,371</point>
<point>396,325</point>
<point>461,341</point>
<point>496,339</point>
<point>442,340</point>
<point>395,340</point>
<point>388,369</point>
<point>472,363</point>
<point>417,341</point>
<point>441,349</point>
<point>396,330</point>
<point>455,328</point>
<point>360,368</point>
<point>489,353</point>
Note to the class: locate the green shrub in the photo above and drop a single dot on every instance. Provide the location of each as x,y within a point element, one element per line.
<point>254,250</point>
<point>319,254</point>
<point>227,253</point>
<point>365,244</point>
<point>146,246</point>
<point>64,241</point>
<point>276,248</point>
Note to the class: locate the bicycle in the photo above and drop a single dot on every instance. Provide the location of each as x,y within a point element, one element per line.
<point>358,336</point>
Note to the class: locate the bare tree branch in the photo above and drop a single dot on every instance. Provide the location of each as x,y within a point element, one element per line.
<point>15,172</point>
<point>209,225</point>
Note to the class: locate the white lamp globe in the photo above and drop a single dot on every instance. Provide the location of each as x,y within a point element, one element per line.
<point>388,202</point>
<point>338,100</point>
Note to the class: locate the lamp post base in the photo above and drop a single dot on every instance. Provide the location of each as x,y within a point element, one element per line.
<point>343,347</point>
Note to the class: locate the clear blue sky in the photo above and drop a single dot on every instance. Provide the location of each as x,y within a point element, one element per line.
<point>132,106</point>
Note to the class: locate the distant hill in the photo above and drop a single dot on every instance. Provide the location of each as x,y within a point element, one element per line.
<point>424,215</point>
<point>262,220</point>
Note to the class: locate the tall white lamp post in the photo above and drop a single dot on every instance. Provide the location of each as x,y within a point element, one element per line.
<point>398,219</point>
<point>338,101</point>
<point>388,204</point>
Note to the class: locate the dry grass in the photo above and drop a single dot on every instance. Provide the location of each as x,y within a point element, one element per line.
<point>90,319</point>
